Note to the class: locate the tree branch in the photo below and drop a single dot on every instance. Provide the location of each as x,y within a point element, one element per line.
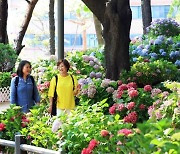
<point>98,8</point>
<point>28,1</point>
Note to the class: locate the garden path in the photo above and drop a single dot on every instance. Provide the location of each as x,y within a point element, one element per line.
<point>4,106</point>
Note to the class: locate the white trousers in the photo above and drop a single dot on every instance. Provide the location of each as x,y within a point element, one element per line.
<point>61,111</point>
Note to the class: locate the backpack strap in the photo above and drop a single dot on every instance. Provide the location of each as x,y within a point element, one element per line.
<point>16,85</point>
<point>55,94</point>
<point>32,79</point>
<point>72,81</point>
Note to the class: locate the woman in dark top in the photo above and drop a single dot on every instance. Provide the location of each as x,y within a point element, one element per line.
<point>23,90</point>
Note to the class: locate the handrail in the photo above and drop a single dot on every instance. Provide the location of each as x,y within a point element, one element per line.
<point>21,147</point>
<point>30,148</point>
<point>7,143</point>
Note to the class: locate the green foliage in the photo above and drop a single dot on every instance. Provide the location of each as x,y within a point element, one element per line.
<point>151,72</point>
<point>5,79</point>
<point>174,10</point>
<point>12,118</point>
<point>7,57</point>
<point>38,132</point>
<point>85,124</point>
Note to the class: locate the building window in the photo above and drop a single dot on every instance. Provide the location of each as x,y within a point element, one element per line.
<point>72,39</point>
<point>157,11</point>
<point>160,11</point>
<point>136,12</point>
<point>92,40</point>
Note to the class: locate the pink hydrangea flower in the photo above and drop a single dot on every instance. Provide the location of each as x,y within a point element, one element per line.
<point>104,133</point>
<point>92,144</point>
<point>132,93</point>
<point>86,151</point>
<point>131,118</point>
<point>132,85</point>
<point>122,87</point>
<point>125,131</point>
<point>120,107</point>
<point>142,107</point>
<point>147,88</point>
<point>130,105</point>
<point>112,109</point>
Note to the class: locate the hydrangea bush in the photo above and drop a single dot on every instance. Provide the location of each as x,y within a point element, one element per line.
<point>167,27</point>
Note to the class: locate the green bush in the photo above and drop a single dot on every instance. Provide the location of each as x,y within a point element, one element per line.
<point>151,73</point>
<point>7,57</point>
<point>5,79</point>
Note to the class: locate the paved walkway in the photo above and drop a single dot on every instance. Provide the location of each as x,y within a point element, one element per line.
<point>4,106</point>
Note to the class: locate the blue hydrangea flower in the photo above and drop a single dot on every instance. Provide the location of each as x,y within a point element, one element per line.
<point>161,50</point>
<point>134,59</point>
<point>163,53</point>
<point>153,55</point>
<point>169,41</point>
<point>134,52</point>
<point>177,62</point>
<point>178,45</point>
<point>157,42</point>
<point>177,53</point>
<point>147,47</point>
<point>161,37</point>
<point>172,55</point>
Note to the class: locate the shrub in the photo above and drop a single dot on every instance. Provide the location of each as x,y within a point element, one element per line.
<point>151,73</point>
<point>167,27</point>
<point>5,79</point>
<point>7,57</point>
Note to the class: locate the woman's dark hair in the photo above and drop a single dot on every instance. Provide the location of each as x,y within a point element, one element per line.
<point>65,62</point>
<point>20,67</point>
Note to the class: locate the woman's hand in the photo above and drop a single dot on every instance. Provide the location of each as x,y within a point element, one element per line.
<point>77,90</point>
<point>50,109</point>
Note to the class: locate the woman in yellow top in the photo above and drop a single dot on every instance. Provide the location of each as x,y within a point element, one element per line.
<point>64,89</point>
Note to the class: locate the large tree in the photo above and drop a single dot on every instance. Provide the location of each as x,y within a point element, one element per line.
<point>19,40</point>
<point>3,21</point>
<point>115,16</point>
<point>146,14</point>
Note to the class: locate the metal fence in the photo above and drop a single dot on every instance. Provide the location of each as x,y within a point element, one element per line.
<point>22,148</point>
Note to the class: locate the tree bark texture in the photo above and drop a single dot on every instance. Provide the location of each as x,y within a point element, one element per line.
<point>115,16</point>
<point>146,14</point>
<point>98,29</point>
<point>3,21</point>
<point>18,41</point>
<point>51,27</point>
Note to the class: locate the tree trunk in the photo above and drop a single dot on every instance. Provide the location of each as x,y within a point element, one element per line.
<point>117,22</point>
<point>98,29</point>
<point>84,38</point>
<point>146,14</point>
<point>51,27</point>
<point>115,16</point>
<point>24,26</point>
<point>3,21</point>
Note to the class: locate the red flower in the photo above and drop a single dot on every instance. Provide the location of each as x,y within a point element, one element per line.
<point>147,88</point>
<point>133,93</point>
<point>92,144</point>
<point>120,107</point>
<point>132,85</point>
<point>104,133</point>
<point>146,60</point>
<point>122,87</point>
<point>142,107</point>
<point>130,105</point>
<point>131,118</point>
<point>86,151</point>
<point>125,131</point>
<point>119,94</point>
<point>2,127</point>
<point>112,109</point>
